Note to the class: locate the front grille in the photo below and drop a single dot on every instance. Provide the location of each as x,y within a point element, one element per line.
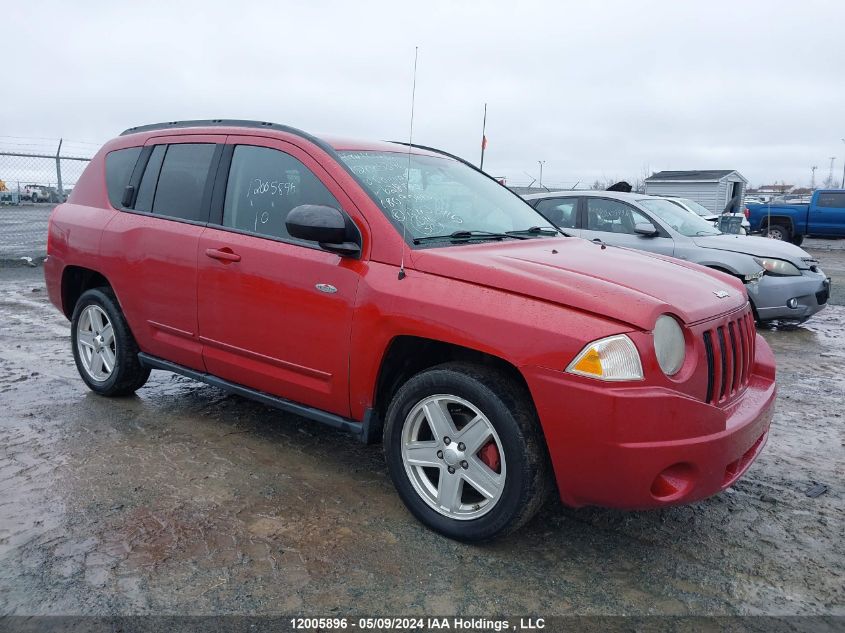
<point>729,348</point>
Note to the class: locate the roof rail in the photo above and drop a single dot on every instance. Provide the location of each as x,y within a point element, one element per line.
<point>264,125</point>
<point>212,123</point>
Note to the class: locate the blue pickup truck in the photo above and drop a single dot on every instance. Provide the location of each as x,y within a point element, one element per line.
<point>823,217</point>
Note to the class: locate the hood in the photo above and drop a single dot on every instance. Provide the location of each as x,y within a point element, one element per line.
<point>625,285</point>
<point>757,246</point>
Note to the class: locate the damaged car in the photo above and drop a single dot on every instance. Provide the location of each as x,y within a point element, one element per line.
<point>784,283</point>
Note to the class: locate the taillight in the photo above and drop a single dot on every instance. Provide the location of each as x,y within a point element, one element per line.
<point>747,213</point>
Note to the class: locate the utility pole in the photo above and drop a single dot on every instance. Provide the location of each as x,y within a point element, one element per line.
<point>59,170</point>
<point>843,170</point>
<point>830,174</point>
<point>541,163</point>
<point>813,177</point>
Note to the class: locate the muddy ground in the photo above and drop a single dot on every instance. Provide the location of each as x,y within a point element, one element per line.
<point>184,500</point>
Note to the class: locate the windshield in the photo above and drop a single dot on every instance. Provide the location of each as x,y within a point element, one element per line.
<point>438,196</point>
<point>682,221</point>
<point>698,208</point>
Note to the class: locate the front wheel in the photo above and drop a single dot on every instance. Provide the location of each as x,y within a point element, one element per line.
<point>465,451</point>
<point>104,349</point>
<point>797,240</point>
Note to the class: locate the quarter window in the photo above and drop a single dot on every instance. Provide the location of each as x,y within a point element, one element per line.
<point>612,216</point>
<point>264,185</point>
<point>559,211</point>
<point>119,166</point>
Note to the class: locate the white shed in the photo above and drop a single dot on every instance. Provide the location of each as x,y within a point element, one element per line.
<point>712,188</point>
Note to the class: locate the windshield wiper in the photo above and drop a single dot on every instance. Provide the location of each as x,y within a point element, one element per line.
<point>538,230</point>
<point>469,235</point>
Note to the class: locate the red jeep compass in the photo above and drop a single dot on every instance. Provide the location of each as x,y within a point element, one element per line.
<point>399,293</point>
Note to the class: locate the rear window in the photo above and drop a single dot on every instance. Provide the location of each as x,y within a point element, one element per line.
<point>835,200</point>
<point>119,166</point>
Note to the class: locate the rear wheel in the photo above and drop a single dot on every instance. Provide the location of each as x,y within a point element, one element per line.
<point>779,232</point>
<point>104,349</point>
<point>465,451</point>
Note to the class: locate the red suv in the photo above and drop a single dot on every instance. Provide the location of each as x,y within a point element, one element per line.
<point>399,293</point>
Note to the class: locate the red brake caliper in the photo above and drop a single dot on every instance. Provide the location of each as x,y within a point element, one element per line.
<point>489,454</point>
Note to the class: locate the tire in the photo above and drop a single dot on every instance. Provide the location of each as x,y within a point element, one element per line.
<point>797,240</point>
<point>779,232</point>
<point>96,347</point>
<point>515,472</point>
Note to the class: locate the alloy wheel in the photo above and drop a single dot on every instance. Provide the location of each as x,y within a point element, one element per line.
<point>453,457</point>
<point>96,343</point>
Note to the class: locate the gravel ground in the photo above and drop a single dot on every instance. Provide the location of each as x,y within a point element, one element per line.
<point>184,500</point>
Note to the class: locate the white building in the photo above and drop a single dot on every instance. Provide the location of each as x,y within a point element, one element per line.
<point>711,188</point>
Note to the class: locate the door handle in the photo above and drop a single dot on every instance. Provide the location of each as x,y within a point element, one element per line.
<point>223,254</point>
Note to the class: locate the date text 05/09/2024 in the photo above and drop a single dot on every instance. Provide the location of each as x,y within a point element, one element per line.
<point>419,624</point>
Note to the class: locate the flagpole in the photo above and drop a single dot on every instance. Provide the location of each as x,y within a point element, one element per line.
<point>483,138</point>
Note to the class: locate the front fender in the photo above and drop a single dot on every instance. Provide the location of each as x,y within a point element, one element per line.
<point>737,264</point>
<point>523,331</point>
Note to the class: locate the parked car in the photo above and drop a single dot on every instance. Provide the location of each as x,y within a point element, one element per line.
<point>399,293</point>
<point>754,200</point>
<point>784,283</point>
<point>823,216</point>
<point>699,209</point>
<point>35,193</point>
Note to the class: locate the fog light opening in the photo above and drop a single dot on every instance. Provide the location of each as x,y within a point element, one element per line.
<point>792,303</point>
<point>673,482</point>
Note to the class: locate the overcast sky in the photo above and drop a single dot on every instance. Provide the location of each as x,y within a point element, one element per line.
<point>596,89</point>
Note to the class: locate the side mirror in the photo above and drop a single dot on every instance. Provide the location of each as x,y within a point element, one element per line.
<point>645,228</point>
<point>324,225</point>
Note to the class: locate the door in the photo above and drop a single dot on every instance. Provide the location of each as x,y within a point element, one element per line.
<point>562,212</point>
<point>275,313</point>
<point>151,246</point>
<point>613,221</point>
<point>827,215</point>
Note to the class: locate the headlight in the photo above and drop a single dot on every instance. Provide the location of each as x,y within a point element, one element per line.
<point>611,358</point>
<point>669,344</point>
<point>778,267</point>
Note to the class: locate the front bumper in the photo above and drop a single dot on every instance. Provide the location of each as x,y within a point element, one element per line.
<point>644,446</point>
<point>810,291</point>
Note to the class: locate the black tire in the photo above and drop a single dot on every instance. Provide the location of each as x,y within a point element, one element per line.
<point>128,375</point>
<point>508,407</point>
<point>797,240</point>
<point>779,232</point>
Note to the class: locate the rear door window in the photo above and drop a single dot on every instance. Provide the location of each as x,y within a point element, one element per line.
<point>119,166</point>
<point>147,188</point>
<point>562,212</point>
<point>181,182</point>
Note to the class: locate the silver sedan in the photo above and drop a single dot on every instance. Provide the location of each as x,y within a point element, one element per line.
<point>784,282</point>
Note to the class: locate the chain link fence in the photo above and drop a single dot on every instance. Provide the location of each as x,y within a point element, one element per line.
<point>31,184</point>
